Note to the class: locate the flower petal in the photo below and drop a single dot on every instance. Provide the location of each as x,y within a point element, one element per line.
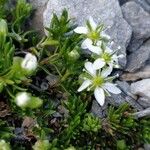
<point>112,88</point>
<point>104,35</point>
<point>84,85</point>
<point>98,64</point>
<point>107,71</point>
<point>81,30</point>
<point>92,23</point>
<point>86,43</point>
<point>99,95</point>
<point>95,49</point>
<point>89,67</point>
<point>121,56</point>
<point>99,43</point>
<point>108,50</point>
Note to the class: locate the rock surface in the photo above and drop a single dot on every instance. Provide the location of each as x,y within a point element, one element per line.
<point>138,58</point>
<point>123,1</point>
<point>144,102</point>
<point>142,113</point>
<point>145,4</point>
<point>105,11</point>
<point>142,73</point>
<point>37,20</point>
<point>141,88</point>
<point>135,14</point>
<point>97,110</point>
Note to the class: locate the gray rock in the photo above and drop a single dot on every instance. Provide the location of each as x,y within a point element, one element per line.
<point>147,146</point>
<point>144,102</point>
<point>97,110</point>
<point>145,4</point>
<point>141,88</point>
<point>138,58</point>
<point>37,20</point>
<point>125,87</point>
<point>105,11</point>
<point>116,100</point>
<point>123,2</point>
<point>142,113</point>
<point>142,73</point>
<point>139,20</point>
<point>135,44</point>
<point>38,3</point>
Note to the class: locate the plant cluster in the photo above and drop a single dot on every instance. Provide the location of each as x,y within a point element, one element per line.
<point>27,61</point>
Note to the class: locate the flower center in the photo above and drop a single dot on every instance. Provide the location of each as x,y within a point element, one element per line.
<point>98,81</point>
<point>93,35</point>
<point>106,57</point>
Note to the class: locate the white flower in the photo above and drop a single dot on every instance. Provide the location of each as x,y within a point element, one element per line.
<point>29,62</point>
<point>105,57</point>
<point>98,81</point>
<point>22,99</point>
<point>93,33</point>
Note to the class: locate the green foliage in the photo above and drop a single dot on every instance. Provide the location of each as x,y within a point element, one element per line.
<point>2,8</point>
<point>21,12</point>
<point>119,120</point>
<point>91,123</point>
<point>145,130</point>
<point>58,53</point>
<point>41,145</point>
<point>59,26</point>
<point>5,130</point>
<point>6,48</point>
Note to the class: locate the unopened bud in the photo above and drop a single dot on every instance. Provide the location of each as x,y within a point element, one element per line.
<point>74,54</point>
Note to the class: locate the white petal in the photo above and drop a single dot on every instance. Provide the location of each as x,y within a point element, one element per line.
<point>99,43</point>
<point>84,85</point>
<point>95,49</point>
<point>98,64</point>
<point>112,88</point>
<point>86,43</point>
<point>92,23</point>
<point>104,35</point>
<point>81,30</point>
<point>90,69</point>
<point>107,71</point>
<point>121,56</point>
<point>108,50</point>
<point>29,62</point>
<point>99,95</point>
<point>115,58</point>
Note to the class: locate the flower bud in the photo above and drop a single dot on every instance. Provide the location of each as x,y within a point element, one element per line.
<point>26,100</point>
<point>74,54</point>
<point>4,145</point>
<point>3,32</point>
<point>29,63</point>
<point>41,145</point>
<point>22,99</point>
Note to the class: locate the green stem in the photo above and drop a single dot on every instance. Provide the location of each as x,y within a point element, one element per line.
<point>65,76</point>
<point>10,94</point>
<point>19,88</point>
<point>46,60</point>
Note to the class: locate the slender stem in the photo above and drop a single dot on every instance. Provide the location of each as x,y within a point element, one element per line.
<point>67,73</point>
<point>46,60</point>
<point>57,70</point>
<point>10,94</point>
<point>19,88</point>
<point>65,89</point>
